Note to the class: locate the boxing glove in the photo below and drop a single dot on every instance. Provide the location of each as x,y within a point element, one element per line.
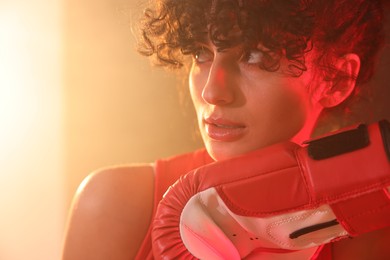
<point>284,199</point>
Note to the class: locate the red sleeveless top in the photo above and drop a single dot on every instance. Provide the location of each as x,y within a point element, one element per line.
<point>167,171</point>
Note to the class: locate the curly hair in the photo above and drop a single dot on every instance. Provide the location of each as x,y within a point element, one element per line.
<point>286,28</point>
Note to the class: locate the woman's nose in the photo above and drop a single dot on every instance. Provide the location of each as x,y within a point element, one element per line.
<point>220,85</point>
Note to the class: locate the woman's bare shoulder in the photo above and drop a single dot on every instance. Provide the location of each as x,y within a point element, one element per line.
<point>110,213</point>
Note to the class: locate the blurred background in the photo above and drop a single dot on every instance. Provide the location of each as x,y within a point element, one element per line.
<point>75,96</point>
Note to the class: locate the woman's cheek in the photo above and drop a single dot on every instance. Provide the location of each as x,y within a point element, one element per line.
<point>197,80</point>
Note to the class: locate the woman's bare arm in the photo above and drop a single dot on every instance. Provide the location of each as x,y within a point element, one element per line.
<point>110,214</point>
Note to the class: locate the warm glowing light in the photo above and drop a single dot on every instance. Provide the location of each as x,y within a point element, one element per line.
<point>31,150</point>
<point>19,78</point>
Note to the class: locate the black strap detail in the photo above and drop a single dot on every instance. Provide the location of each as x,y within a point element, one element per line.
<point>339,143</point>
<point>384,126</point>
<point>310,229</point>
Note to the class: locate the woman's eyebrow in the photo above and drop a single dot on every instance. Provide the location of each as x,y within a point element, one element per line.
<point>203,40</point>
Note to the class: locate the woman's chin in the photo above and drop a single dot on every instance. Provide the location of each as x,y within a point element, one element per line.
<point>224,151</point>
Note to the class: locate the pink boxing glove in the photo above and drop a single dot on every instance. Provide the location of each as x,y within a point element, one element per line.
<point>283,200</point>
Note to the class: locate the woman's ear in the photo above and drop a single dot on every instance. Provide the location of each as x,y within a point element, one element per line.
<point>343,83</point>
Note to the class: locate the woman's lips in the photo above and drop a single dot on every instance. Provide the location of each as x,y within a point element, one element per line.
<point>224,130</point>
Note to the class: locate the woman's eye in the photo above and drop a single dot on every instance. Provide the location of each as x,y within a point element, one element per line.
<point>253,57</point>
<point>203,55</point>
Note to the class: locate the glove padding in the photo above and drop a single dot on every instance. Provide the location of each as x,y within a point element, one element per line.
<point>216,210</point>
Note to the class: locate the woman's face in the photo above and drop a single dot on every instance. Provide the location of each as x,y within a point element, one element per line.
<point>241,107</point>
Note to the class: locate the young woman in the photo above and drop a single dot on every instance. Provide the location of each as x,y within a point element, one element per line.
<point>261,72</point>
